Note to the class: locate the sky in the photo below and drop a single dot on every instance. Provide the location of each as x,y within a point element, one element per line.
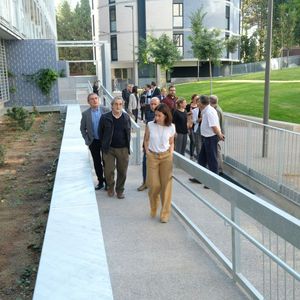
<point>71,2</point>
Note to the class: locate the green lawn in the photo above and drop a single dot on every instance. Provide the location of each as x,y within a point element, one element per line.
<point>247,98</point>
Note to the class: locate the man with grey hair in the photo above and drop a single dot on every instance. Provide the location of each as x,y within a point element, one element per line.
<point>115,128</point>
<point>214,102</point>
<point>89,127</point>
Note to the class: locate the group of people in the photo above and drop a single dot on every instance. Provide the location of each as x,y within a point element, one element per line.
<point>169,122</point>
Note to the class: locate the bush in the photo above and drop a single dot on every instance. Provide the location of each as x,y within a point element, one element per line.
<point>2,155</point>
<point>22,117</point>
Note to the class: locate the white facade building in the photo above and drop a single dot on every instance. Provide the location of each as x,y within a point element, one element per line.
<point>114,20</point>
<point>19,20</point>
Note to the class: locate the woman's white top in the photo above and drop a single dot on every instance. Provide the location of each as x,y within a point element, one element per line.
<point>159,136</point>
<point>133,103</point>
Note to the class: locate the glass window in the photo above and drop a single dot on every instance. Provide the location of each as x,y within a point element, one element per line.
<point>178,41</point>
<point>177,15</point>
<point>227,16</point>
<point>226,38</point>
<point>114,48</point>
<point>112,18</point>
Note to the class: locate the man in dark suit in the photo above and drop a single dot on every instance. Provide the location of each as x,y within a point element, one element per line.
<point>155,90</point>
<point>89,128</point>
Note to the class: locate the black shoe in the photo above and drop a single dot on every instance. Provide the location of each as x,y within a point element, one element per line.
<point>99,187</point>
<point>206,187</point>
<point>194,180</point>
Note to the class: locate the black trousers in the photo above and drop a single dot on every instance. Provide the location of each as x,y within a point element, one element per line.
<point>97,159</point>
<point>208,153</point>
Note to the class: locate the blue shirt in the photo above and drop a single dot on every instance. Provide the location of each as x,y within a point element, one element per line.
<point>96,115</point>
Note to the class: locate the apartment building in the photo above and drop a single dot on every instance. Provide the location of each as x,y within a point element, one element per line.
<point>123,23</point>
<point>22,20</point>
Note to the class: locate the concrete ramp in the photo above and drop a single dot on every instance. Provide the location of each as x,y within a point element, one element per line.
<point>151,260</point>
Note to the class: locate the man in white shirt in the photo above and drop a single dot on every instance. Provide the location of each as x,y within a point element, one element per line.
<point>211,134</point>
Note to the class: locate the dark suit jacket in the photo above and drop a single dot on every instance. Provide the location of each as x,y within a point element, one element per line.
<point>156,92</point>
<point>86,125</point>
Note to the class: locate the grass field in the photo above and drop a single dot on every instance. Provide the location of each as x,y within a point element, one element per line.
<point>246,98</point>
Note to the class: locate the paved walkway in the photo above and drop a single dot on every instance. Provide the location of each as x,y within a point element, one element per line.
<point>151,260</point>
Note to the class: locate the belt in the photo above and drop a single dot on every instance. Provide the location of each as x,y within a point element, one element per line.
<point>159,153</point>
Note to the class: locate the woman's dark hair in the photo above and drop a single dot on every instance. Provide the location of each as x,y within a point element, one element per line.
<point>135,89</point>
<point>164,108</point>
<point>194,96</point>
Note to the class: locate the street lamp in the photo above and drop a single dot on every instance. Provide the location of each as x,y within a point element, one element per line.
<point>133,44</point>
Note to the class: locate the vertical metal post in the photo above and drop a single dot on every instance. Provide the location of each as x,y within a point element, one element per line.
<point>267,79</point>
<point>134,78</point>
<point>235,242</point>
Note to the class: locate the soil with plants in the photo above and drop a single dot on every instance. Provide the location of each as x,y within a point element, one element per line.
<point>28,160</point>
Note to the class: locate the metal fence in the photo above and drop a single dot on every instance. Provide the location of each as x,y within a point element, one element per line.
<point>279,170</point>
<point>256,242</point>
<point>276,63</point>
<point>135,146</point>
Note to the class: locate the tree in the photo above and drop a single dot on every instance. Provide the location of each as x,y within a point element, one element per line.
<point>75,25</point>
<point>206,44</point>
<point>231,45</point>
<point>161,51</point>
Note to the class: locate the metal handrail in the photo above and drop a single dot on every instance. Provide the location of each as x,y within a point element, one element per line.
<point>276,220</point>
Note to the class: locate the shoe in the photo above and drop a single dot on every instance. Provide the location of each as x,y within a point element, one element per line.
<point>164,220</point>
<point>105,186</point>
<point>110,193</point>
<point>194,180</point>
<point>206,187</point>
<point>142,187</point>
<point>99,187</point>
<point>120,196</point>
<point>153,213</point>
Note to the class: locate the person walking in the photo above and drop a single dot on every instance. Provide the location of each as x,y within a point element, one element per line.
<point>214,102</point>
<point>153,104</point>
<point>181,122</point>
<point>171,98</point>
<point>96,87</point>
<point>159,147</point>
<point>155,90</point>
<point>189,109</point>
<point>89,127</point>
<point>133,103</point>
<point>126,94</point>
<point>115,128</point>
<point>211,134</point>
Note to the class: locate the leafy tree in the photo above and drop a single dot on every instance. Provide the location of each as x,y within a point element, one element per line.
<point>75,25</point>
<point>161,51</point>
<point>206,44</point>
<point>231,45</point>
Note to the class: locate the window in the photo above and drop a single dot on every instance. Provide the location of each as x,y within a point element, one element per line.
<point>226,38</point>
<point>227,16</point>
<point>178,41</point>
<point>112,18</point>
<point>177,15</point>
<point>114,48</point>
<point>112,1</point>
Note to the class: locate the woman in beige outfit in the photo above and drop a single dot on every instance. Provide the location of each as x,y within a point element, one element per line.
<point>159,147</point>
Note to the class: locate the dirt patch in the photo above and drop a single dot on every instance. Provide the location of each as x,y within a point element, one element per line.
<point>26,182</point>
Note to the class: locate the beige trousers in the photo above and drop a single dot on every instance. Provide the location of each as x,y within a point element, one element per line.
<point>159,182</point>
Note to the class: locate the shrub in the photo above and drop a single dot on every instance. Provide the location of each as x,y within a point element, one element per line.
<point>21,116</point>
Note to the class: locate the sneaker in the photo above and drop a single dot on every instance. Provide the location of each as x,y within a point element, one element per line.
<point>142,187</point>
<point>194,180</point>
<point>99,187</point>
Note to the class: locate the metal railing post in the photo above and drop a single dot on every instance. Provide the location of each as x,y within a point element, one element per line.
<point>235,242</point>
